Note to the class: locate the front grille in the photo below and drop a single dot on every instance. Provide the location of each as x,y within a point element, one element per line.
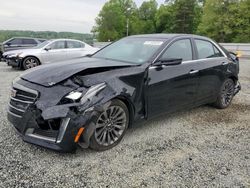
<point>21,98</point>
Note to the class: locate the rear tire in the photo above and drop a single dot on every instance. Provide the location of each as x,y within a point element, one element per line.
<point>30,62</point>
<point>225,95</point>
<point>111,126</point>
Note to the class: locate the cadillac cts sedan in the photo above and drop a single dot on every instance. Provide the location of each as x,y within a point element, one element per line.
<point>48,52</point>
<point>90,102</point>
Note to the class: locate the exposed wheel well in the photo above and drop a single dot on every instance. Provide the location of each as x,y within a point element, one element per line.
<point>235,79</point>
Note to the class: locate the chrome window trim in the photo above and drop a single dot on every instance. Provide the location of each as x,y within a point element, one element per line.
<point>189,61</point>
<point>192,61</point>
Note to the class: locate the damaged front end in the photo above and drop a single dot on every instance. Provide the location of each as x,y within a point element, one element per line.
<point>51,123</point>
<point>54,116</point>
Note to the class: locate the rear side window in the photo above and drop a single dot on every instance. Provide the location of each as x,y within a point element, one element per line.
<point>29,41</point>
<point>181,49</point>
<point>74,44</point>
<point>206,49</point>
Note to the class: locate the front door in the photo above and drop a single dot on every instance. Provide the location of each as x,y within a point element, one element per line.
<point>171,88</point>
<point>54,52</point>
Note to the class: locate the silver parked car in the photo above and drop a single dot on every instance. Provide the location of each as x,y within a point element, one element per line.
<point>48,52</point>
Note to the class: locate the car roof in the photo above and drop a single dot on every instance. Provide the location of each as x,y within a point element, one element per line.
<point>65,39</point>
<point>27,38</point>
<point>167,36</point>
<point>37,39</point>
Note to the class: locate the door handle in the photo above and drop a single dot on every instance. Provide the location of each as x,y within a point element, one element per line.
<point>193,71</point>
<point>224,63</point>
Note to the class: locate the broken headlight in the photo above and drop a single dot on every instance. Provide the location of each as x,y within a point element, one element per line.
<point>93,90</point>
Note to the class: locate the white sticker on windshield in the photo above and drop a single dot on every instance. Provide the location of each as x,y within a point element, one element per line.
<point>153,43</point>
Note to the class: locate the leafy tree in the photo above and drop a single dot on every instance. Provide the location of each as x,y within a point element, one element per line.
<point>147,13</point>
<point>226,20</point>
<point>179,16</point>
<point>111,21</point>
<point>222,20</point>
<point>241,22</point>
<point>186,16</point>
<point>164,19</point>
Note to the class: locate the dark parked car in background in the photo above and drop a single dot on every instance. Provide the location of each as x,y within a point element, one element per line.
<point>19,43</point>
<point>91,101</point>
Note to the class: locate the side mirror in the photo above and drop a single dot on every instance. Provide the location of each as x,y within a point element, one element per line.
<point>168,61</point>
<point>47,48</point>
<point>88,55</point>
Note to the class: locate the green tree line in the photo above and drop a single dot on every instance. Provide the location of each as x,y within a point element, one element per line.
<point>6,34</point>
<point>222,20</point>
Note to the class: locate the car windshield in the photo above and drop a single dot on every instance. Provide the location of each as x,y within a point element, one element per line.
<point>41,45</point>
<point>132,50</point>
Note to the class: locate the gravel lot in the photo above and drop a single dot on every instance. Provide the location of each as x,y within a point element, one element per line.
<point>203,147</point>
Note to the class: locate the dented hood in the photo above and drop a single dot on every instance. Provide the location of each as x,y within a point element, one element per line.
<point>51,74</point>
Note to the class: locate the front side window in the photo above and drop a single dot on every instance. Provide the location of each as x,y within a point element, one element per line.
<point>133,50</point>
<point>181,49</point>
<point>15,41</point>
<point>206,49</point>
<point>57,45</point>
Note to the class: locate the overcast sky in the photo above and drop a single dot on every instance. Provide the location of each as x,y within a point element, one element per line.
<point>51,15</point>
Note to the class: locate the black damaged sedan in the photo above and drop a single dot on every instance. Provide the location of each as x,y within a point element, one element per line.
<point>92,101</point>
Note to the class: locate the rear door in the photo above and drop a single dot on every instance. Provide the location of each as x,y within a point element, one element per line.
<point>212,64</point>
<point>75,49</point>
<point>171,88</point>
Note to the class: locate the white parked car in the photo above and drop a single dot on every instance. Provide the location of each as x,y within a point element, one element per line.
<point>48,52</point>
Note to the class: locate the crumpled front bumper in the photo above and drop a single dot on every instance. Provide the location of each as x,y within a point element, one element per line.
<point>62,139</point>
<point>30,133</point>
<point>50,127</point>
<point>12,61</point>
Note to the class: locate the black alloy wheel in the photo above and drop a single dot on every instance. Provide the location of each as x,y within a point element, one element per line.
<point>111,126</point>
<point>226,94</point>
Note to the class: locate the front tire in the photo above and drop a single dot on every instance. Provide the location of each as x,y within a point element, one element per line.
<point>225,95</point>
<point>111,126</point>
<point>30,62</point>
